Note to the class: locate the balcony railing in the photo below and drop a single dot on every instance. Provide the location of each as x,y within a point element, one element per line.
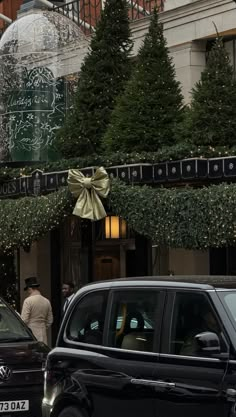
<point>86,13</point>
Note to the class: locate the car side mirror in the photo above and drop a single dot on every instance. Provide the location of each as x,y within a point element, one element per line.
<point>208,342</point>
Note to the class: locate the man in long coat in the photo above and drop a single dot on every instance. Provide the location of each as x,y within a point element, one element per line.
<point>36,310</point>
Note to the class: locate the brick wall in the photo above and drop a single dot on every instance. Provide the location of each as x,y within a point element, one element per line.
<point>9,8</point>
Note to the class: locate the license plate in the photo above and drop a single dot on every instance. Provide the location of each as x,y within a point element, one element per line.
<point>11,406</point>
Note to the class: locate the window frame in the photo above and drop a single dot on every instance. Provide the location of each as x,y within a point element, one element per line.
<point>66,326</point>
<point>168,318</point>
<point>158,321</point>
<point>63,340</point>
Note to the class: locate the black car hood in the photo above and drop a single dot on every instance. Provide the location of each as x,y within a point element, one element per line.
<point>23,354</point>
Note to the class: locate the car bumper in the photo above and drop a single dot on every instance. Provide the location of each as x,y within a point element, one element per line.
<point>11,395</point>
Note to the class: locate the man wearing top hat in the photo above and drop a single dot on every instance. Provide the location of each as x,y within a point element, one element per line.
<point>36,310</point>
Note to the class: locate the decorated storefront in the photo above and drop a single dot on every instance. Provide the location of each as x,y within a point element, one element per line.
<point>144,209</point>
<point>92,223</point>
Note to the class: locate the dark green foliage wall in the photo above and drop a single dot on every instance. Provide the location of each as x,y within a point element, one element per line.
<point>180,218</point>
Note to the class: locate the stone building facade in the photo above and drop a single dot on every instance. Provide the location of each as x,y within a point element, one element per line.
<point>189,29</point>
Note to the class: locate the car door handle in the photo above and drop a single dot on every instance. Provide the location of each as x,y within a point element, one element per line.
<point>151,383</point>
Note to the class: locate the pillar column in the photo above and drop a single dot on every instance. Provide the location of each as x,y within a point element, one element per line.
<point>188,262</point>
<point>190,61</point>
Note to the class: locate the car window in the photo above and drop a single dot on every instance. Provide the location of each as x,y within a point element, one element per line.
<point>229,300</point>
<point>133,319</point>
<point>134,323</point>
<point>11,328</point>
<point>192,314</point>
<point>86,324</point>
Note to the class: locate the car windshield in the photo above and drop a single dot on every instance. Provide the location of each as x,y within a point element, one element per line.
<point>229,300</point>
<point>11,328</point>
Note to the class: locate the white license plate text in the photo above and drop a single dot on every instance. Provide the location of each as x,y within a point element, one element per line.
<point>11,406</point>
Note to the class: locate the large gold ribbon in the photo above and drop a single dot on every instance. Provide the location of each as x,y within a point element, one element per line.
<point>88,192</point>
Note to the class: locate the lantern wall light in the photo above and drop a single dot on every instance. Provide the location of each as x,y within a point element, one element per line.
<point>115,228</point>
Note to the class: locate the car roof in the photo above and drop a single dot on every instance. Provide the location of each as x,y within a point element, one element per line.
<point>204,282</point>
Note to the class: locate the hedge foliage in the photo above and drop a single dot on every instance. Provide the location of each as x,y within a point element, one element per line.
<point>27,219</point>
<point>180,218</point>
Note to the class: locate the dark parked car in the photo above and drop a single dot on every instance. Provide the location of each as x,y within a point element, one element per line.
<point>148,347</point>
<point>22,362</point>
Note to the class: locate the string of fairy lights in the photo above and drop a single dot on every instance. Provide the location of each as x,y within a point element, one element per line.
<point>172,153</point>
<point>180,218</point>
<point>27,219</point>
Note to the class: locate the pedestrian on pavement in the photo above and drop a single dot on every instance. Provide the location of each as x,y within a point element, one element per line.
<point>36,310</point>
<point>68,292</point>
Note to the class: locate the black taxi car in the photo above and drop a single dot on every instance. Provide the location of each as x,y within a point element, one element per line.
<point>22,362</point>
<point>153,347</point>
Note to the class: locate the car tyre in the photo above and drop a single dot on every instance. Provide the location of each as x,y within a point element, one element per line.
<point>71,412</point>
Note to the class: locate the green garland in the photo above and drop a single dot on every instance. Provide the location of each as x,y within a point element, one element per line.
<point>27,219</point>
<point>180,218</point>
<point>176,152</point>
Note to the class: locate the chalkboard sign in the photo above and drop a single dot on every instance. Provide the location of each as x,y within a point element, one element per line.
<point>34,112</point>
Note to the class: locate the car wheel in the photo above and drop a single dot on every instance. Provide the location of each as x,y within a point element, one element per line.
<point>71,412</point>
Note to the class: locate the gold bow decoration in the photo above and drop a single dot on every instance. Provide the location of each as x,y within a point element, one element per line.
<point>88,192</point>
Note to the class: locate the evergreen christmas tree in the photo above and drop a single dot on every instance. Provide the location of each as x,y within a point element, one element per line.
<point>147,114</point>
<point>104,72</point>
<point>212,116</point>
